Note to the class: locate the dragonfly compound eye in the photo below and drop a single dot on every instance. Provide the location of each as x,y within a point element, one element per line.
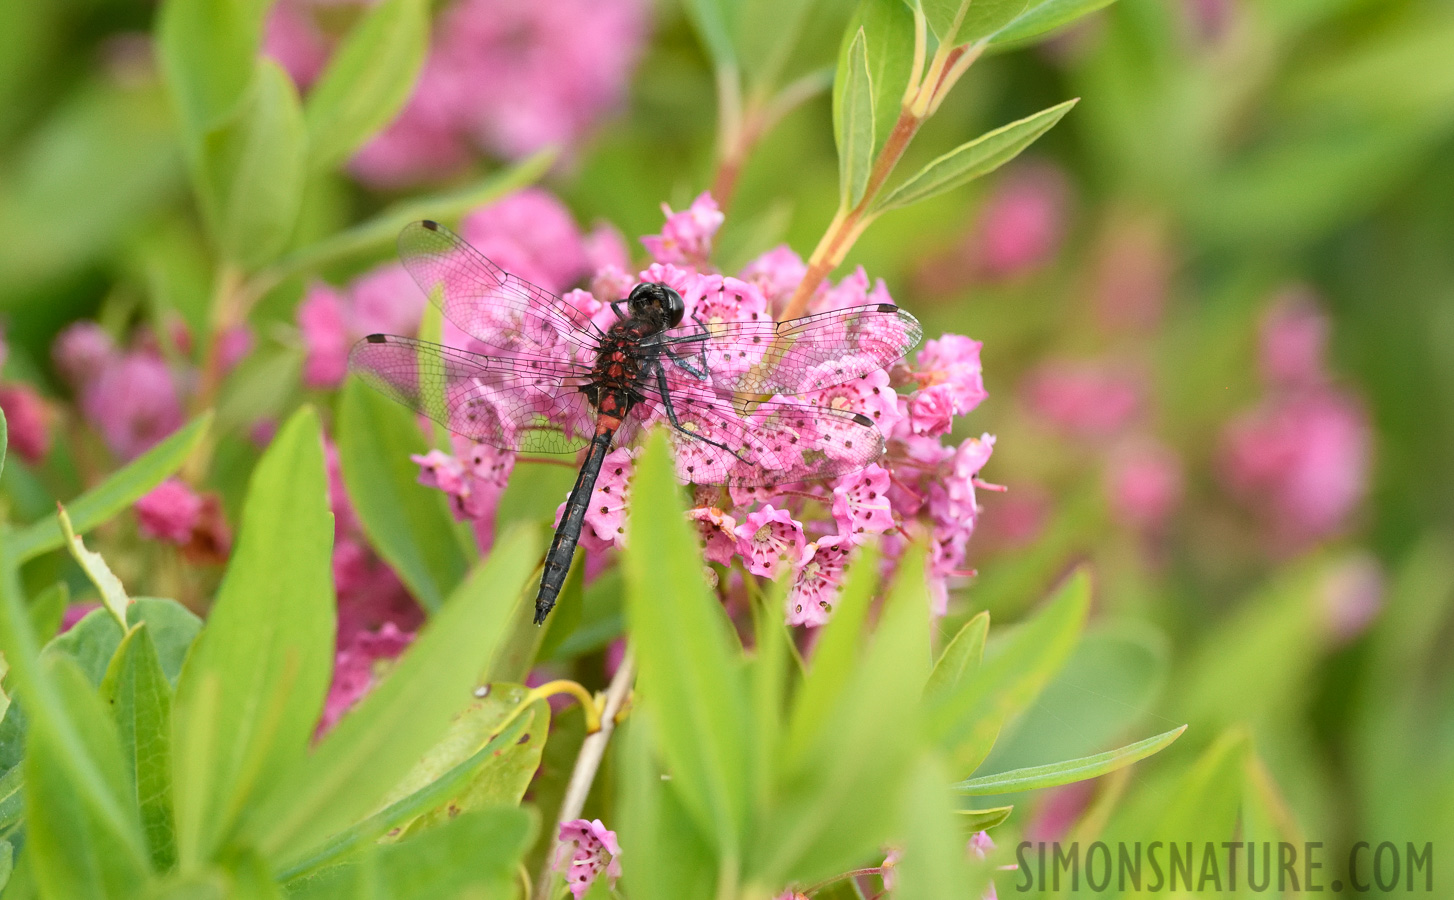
<point>673,305</point>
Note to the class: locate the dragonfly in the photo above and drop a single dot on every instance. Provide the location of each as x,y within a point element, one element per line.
<point>742,400</point>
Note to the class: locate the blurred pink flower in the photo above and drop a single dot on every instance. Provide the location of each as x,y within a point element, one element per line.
<point>1022,222</point>
<point>330,320</point>
<point>169,512</point>
<point>233,346</point>
<point>1294,341</point>
<point>355,669</point>
<point>776,273</point>
<point>1131,274</point>
<point>1144,482</point>
<point>586,849</point>
<point>766,536</point>
<point>1084,399</point>
<point>75,612</point>
<point>28,418</point>
<point>291,36</point>
<point>510,76</point>
<point>81,351</point>
<point>531,235</point>
<point>134,402</point>
<point>1352,595</point>
<point>686,239</point>
<point>1301,460</point>
<point>718,531</point>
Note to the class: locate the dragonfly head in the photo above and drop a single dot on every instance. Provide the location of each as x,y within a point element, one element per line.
<point>653,298</point>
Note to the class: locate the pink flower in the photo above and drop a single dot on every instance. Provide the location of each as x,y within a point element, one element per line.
<point>979,847</point>
<point>585,850</point>
<point>28,419</point>
<point>1132,274</point>
<point>1144,481</point>
<point>531,235</point>
<point>326,337</point>
<point>766,536</point>
<point>1302,461</point>
<point>1294,341</point>
<point>951,362</point>
<point>473,481</point>
<point>931,411</point>
<point>382,300</point>
<point>1021,224</point>
<point>818,581</point>
<point>606,247</point>
<point>233,345</point>
<point>134,402</point>
<point>776,274</point>
<point>686,239</point>
<point>170,512</point>
<point>718,533</point>
<point>1352,596</point>
<point>861,504</point>
<point>355,669</point>
<point>293,38</point>
<point>81,351</point>
<point>1084,399</point>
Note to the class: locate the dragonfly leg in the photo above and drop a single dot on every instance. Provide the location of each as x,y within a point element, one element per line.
<point>616,308</point>
<point>671,416</point>
<point>699,339</point>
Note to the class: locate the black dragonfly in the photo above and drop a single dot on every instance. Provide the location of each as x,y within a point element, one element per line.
<point>542,377</point>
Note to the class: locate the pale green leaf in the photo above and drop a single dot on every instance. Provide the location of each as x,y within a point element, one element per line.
<point>207,50</point>
<point>960,657</point>
<point>121,489</point>
<point>253,685</point>
<point>712,21</point>
<point>113,592</point>
<point>957,22</point>
<point>888,27</point>
<point>1067,772</point>
<point>934,865</point>
<point>973,820</point>
<point>368,79</point>
<point>407,523</point>
<point>1043,16</point>
<point>136,689</point>
<point>974,159</point>
<point>853,117</point>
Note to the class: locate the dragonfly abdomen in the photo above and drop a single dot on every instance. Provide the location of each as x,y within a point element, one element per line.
<point>568,534</point>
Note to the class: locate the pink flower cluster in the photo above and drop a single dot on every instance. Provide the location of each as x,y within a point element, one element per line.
<point>921,487</point>
<point>27,417</point>
<point>1300,457</point>
<point>506,76</point>
<point>586,849</point>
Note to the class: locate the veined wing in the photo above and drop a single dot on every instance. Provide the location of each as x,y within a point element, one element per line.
<point>488,303</point>
<point>798,355</point>
<point>525,403</point>
<point>773,442</point>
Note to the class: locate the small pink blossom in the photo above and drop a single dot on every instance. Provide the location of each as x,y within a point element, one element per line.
<point>605,247</point>
<point>717,529</point>
<point>951,362</point>
<point>473,481</point>
<point>355,669</point>
<point>818,582</point>
<point>134,402</point>
<point>531,235</point>
<point>1084,399</point>
<point>1294,341</point>
<point>82,351</point>
<point>1352,595</point>
<point>326,338</point>
<point>686,238</point>
<point>776,274</point>
<point>330,320</point>
<point>233,345</point>
<point>766,536</point>
<point>585,850</point>
<point>1144,482</point>
<point>606,515</point>
<point>1022,222</point>
<point>930,411</point>
<point>169,512</point>
<point>28,419</point>
<point>861,504</point>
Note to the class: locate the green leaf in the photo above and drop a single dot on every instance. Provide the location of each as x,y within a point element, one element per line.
<point>853,116</point>
<point>961,657</point>
<point>374,745</point>
<point>113,593</point>
<point>1068,772</point>
<point>888,27</point>
<point>1046,15</point>
<point>251,169</point>
<point>502,779</point>
<point>957,22</point>
<point>4,442</point>
<point>48,610</point>
<point>1201,805</point>
<point>121,489</point>
<point>253,686</point>
<point>934,865</point>
<point>965,721</point>
<point>382,230</point>
<point>691,673</point>
<point>368,79</point>
<point>711,20</point>
<point>83,834</point>
<point>172,628</point>
<point>90,644</point>
<point>974,159</point>
<point>141,704</point>
<point>12,799</point>
<point>207,50</point>
<point>767,31</point>
<point>405,809</point>
<point>407,523</point>
<point>474,855</point>
<point>973,820</point>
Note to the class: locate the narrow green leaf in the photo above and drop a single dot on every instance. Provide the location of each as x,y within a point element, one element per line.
<point>83,833</point>
<point>888,27</point>
<point>113,592</point>
<point>973,820</point>
<point>934,864</point>
<point>141,705</point>
<point>253,685</point>
<point>964,721</point>
<point>251,169</point>
<point>974,159</point>
<point>383,229</point>
<point>1069,771</point>
<point>48,610</point>
<point>207,49</point>
<point>367,81</point>
<point>403,810</point>
<point>1044,16</point>
<point>4,440</point>
<point>710,19</point>
<point>407,523</point>
<point>121,489</point>
<point>12,799</point>
<point>172,628</point>
<point>957,22</point>
<point>374,745</point>
<point>691,673</point>
<point>90,644</point>
<point>768,31</point>
<point>960,657</point>
<point>853,116</point>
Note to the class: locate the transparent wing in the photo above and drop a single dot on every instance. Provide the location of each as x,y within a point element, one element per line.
<point>798,355</point>
<point>772,442</point>
<point>531,404</point>
<point>486,302</point>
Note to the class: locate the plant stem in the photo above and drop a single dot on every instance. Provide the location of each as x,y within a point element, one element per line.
<point>588,761</point>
